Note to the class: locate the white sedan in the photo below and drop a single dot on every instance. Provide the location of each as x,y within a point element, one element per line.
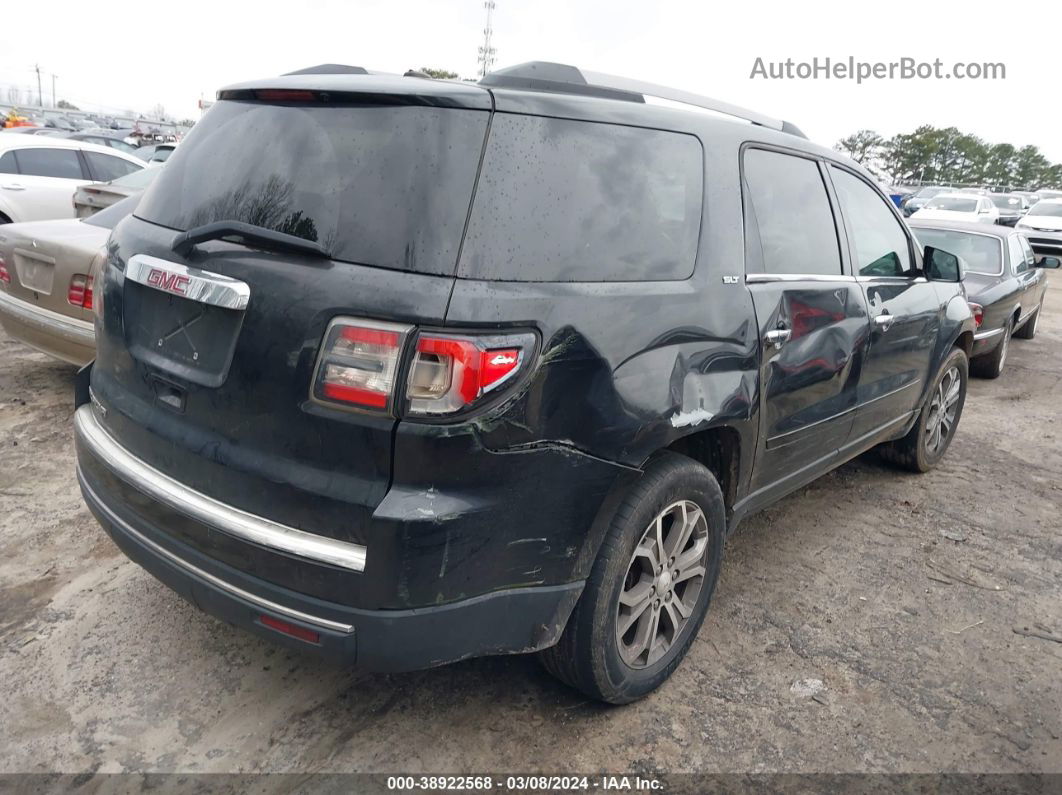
<point>39,174</point>
<point>969,207</point>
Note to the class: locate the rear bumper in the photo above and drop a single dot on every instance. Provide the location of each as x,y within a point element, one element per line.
<point>509,620</point>
<point>65,338</point>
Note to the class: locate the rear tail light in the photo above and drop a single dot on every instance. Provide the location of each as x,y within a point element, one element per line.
<point>449,373</point>
<point>5,277</point>
<point>80,291</point>
<point>358,364</point>
<point>978,313</point>
<point>361,362</point>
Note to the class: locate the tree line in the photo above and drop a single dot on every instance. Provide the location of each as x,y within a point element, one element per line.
<point>933,155</point>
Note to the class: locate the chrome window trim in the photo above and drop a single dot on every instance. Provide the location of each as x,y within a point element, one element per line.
<point>202,286</point>
<point>224,585</point>
<point>893,279</point>
<point>225,518</point>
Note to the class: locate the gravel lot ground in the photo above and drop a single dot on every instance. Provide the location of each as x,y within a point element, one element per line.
<point>900,594</point>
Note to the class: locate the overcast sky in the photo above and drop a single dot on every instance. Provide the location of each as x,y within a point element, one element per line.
<point>137,56</point>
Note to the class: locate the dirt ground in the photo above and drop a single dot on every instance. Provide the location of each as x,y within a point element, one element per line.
<point>869,622</point>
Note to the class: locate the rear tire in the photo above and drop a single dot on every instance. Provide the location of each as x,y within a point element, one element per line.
<point>674,511</point>
<point>1028,331</point>
<point>925,444</point>
<point>991,364</point>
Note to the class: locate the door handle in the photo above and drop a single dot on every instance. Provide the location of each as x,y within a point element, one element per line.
<point>777,337</point>
<point>13,186</point>
<point>884,321</point>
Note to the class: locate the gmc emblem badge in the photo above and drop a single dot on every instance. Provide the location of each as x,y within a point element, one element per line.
<point>170,282</point>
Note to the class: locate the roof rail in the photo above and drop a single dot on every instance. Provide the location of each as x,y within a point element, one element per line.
<point>330,69</point>
<point>562,78</point>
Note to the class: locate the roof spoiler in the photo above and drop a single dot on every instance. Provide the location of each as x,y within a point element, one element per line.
<point>566,79</point>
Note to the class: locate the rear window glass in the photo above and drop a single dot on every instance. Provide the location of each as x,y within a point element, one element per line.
<point>983,253</point>
<point>562,200</point>
<point>379,185</point>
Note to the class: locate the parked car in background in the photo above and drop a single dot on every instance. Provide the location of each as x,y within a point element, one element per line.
<point>1004,281</point>
<point>48,274</point>
<point>1011,206</point>
<point>958,207</point>
<point>38,175</point>
<point>1043,225</point>
<point>407,401</point>
<point>89,199</point>
<point>30,131</point>
<point>916,201</point>
<point>1047,193</point>
<point>155,154</point>
<point>103,138</point>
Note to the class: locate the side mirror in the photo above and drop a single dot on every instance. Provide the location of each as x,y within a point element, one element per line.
<point>942,266</point>
<point>1049,262</point>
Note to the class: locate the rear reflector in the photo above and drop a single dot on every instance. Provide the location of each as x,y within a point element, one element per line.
<point>80,291</point>
<point>293,630</point>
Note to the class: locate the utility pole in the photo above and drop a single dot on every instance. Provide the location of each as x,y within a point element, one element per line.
<point>40,96</point>
<point>487,52</point>
<point>54,75</point>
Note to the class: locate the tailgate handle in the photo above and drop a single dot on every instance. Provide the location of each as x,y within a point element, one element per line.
<point>191,283</point>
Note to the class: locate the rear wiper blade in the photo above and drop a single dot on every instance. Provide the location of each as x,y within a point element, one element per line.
<point>267,238</point>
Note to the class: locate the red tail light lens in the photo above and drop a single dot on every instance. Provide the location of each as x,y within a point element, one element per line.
<point>5,277</point>
<point>978,313</point>
<point>449,373</point>
<point>358,364</point>
<point>80,291</point>
<point>358,367</point>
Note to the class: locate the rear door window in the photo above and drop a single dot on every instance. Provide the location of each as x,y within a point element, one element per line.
<point>41,162</point>
<point>787,203</point>
<point>572,201</point>
<point>377,184</point>
<point>108,167</point>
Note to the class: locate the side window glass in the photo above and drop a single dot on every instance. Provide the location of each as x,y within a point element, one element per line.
<point>60,163</point>
<point>1030,255</point>
<point>8,164</point>
<point>788,201</point>
<point>1017,254</point>
<point>882,247</point>
<point>107,167</point>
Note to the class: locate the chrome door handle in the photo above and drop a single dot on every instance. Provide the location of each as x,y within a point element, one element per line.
<point>778,337</point>
<point>884,321</point>
<point>13,186</point>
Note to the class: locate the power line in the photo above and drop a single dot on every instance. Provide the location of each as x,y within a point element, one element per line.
<point>487,51</point>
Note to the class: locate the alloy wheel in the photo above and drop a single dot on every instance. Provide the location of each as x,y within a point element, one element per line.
<point>662,585</point>
<point>943,407</point>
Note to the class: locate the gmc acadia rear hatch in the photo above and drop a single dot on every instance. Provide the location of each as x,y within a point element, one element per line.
<point>217,393</point>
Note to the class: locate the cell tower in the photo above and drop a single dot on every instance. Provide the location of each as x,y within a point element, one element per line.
<point>487,52</point>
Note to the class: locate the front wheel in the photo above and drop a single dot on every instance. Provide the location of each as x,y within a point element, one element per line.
<point>925,444</point>
<point>650,586</point>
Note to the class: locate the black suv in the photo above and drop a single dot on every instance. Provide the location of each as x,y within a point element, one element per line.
<point>407,371</point>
